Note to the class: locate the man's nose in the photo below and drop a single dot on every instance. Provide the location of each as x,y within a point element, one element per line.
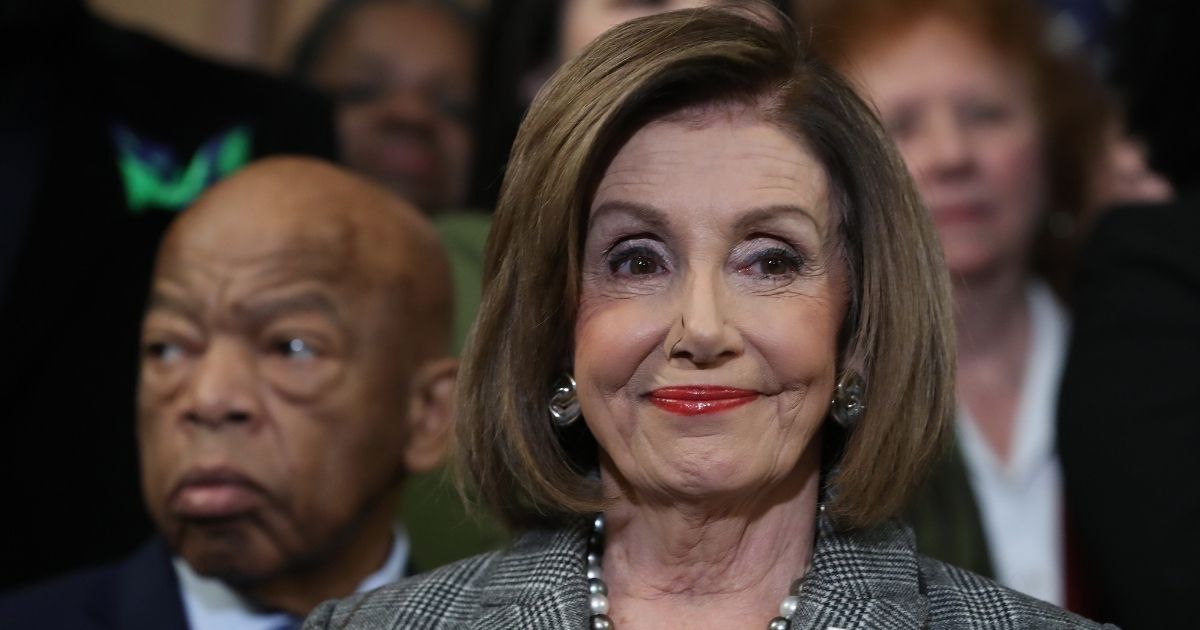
<point>702,333</point>
<point>222,391</point>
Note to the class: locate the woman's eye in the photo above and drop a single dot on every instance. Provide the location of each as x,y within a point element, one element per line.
<point>295,348</point>
<point>358,93</point>
<point>642,265</point>
<point>635,261</point>
<point>985,113</point>
<point>774,266</point>
<point>776,262</point>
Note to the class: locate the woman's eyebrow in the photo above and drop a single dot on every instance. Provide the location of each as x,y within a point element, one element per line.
<point>651,216</point>
<point>765,214</point>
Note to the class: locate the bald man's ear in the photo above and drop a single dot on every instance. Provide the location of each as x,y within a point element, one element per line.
<point>430,414</point>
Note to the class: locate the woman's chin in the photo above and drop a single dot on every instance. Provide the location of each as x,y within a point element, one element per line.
<point>714,485</point>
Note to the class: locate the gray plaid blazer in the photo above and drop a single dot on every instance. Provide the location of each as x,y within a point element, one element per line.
<point>865,579</point>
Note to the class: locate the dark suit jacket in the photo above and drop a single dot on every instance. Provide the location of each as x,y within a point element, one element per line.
<point>139,593</point>
<point>1129,414</point>
<point>870,578</point>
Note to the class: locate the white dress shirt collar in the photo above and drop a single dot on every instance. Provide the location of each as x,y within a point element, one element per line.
<point>209,604</point>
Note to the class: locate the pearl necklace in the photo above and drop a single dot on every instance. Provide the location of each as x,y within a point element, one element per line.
<point>598,590</point>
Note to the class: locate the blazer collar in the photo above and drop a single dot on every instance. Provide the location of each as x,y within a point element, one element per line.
<point>540,582</point>
<point>862,578</point>
<point>858,578</point>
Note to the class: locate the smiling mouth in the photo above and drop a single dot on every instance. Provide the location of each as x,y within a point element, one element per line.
<point>700,399</point>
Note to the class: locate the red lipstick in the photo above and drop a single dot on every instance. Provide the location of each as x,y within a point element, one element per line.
<point>694,400</point>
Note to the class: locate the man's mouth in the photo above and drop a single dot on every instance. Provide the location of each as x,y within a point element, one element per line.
<point>214,493</point>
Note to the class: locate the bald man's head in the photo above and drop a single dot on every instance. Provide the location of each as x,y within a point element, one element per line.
<point>293,371</point>
<point>328,221</point>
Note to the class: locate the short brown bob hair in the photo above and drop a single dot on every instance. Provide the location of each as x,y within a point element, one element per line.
<point>897,332</point>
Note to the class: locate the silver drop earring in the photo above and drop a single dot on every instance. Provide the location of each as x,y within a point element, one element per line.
<point>564,406</point>
<point>849,400</point>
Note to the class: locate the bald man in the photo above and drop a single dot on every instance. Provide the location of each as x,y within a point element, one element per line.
<point>293,372</point>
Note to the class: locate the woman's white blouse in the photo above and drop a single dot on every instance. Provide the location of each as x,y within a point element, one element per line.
<point>1020,502</point>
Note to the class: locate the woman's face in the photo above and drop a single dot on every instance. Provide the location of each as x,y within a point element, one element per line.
<point>706,341</point>
<point>965,120</point>
<point>404,78</point>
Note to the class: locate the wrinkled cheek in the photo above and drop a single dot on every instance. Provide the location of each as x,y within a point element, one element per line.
<point>614,338</point>
<point>616,341</point>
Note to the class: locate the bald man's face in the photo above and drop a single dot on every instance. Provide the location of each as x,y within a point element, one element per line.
<point>275,390</point>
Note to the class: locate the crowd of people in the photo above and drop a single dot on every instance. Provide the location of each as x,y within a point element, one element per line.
<point>586,313</point>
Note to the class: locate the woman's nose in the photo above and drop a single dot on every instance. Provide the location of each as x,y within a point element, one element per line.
<point>941,150</point>
<point>702,333</point>
<point>410,105</point>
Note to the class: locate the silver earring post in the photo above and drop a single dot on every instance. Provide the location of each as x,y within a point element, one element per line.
<point>564,406</point>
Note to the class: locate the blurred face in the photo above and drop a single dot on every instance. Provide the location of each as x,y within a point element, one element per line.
<point>585,20</point>
<point>965,120</point>
<point>404,79</point>
<point>706,341</point>
<point>272,401</point>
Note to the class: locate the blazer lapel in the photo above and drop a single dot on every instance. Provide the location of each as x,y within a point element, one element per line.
<point>143,595</point>
<point>862,579</point>
<point>540,583</point>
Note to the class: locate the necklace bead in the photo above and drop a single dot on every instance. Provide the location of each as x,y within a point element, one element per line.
<point>597,587</point>
<point>598,603</point>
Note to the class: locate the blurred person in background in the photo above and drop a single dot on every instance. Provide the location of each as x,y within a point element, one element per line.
<point>402,73</point>
<point>525,42</point>
<point>1129,411</point>
<point>1001,136</point>
<point>294,371</point>
<point>107,134</point>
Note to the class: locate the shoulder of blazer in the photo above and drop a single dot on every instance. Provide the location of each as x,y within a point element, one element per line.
<point>870,578</point>
<point>961,599</point>
<point>538,583</point>
<point>137,593</point>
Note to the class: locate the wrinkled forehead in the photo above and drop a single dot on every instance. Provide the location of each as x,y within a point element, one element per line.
<point>267,247</point>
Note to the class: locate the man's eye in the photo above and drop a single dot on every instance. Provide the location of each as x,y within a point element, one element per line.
<point>295,348</point>
<point>164,351</point>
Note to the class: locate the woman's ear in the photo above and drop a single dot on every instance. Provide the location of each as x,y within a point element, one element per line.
<point>430,414</point>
